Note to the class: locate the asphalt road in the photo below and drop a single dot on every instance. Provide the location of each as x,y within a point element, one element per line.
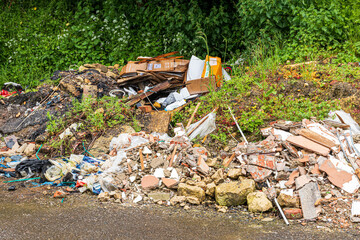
<point>81,217</point>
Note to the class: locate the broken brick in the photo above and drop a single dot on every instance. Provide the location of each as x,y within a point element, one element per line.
<point>149,182</point>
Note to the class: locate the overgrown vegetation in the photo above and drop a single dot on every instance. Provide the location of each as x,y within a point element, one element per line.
<point>259,95</point>
<point>92,117</point>
<point>39,37</point>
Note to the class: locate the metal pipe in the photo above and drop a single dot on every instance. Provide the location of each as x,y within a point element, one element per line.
<point>278,205</point>
<point>242,134</point>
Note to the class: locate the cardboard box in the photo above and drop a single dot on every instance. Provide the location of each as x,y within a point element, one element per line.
<point>168,65</point>
<point>132,67</point>
<point>201,85</point>
<point>213,67</point>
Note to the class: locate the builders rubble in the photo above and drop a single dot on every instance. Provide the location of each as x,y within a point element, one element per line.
<point>306,170</point>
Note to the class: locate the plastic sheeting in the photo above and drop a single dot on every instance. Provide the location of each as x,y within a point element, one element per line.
<point>206,127</point>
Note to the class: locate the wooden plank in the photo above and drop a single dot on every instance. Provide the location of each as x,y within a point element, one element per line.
<point>307,144</point>
<point>158,57</point>
<point>141,159</point>
<point>141,96</point>
<point>313,136</point>
<point>172,156</point>
<point>192,115</point>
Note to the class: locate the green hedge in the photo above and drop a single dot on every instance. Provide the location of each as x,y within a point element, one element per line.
<point>39,37</point>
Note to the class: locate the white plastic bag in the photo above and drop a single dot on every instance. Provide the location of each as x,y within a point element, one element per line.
<point>205,128</point>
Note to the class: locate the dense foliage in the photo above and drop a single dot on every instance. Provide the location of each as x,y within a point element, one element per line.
<point>39,37</point>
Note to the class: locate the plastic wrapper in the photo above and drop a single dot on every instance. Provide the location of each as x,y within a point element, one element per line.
<point>122,141</point>
<point>206,127</point>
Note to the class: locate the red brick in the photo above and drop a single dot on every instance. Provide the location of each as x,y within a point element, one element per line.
<point>145,108</point>
<point>149,182</point>
<point>293,213</point>
<point>169,183</point>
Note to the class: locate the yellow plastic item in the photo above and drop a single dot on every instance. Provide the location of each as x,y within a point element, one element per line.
<point>213,68</point>
<point>157,105</point>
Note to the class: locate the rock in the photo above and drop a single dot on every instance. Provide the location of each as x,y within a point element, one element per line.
<point>159,196</point>
<point>156,162</point>
<point>191,191</point>
<point>127,129</point>
<point>210,189</point>
<point>267,219</point>
<point>149,182</point>
<point>167,173</point>
<point>218,176</point>
<point>286,200</point>
<point>222,209</point>
<point>258,202</point>
<point>196,178</point>
<point>234,193</point>
<point>117,196</point>
<point>111,74</point>
<point>193,200</point>
<point>211,162</point>
<point>103,197</point>
<point>234,173</point>
<point>30,149</point>
<point>203,167</point>
<point>170,183</point>
<point>177,199</point>
<point>201,184</point>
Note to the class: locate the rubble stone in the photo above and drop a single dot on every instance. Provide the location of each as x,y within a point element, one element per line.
<point>159,196</point>
<point>177,199</point>
<point>218,176</point>
<point>117,196</point>
<point>193,200</point>
<point>211,162</point>
<point>210,189</point>
<point>103,197</point>
<point>234,193</point>
<point>286,200</point>
<point>101,145</point>
<point>234,173</point>
<point>201,184</point>
<point>149,182</point>
<point>258,202</point>
<point>169,183</point>
<point>156,162</point>
<point>191,191</point>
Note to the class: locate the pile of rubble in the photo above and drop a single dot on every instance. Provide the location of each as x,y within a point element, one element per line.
<point>307,170</point>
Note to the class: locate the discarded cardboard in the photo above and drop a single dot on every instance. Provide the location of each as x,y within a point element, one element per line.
<point>202,85</point>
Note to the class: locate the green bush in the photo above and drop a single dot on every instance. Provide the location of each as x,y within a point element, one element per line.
<point>39,37</point>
